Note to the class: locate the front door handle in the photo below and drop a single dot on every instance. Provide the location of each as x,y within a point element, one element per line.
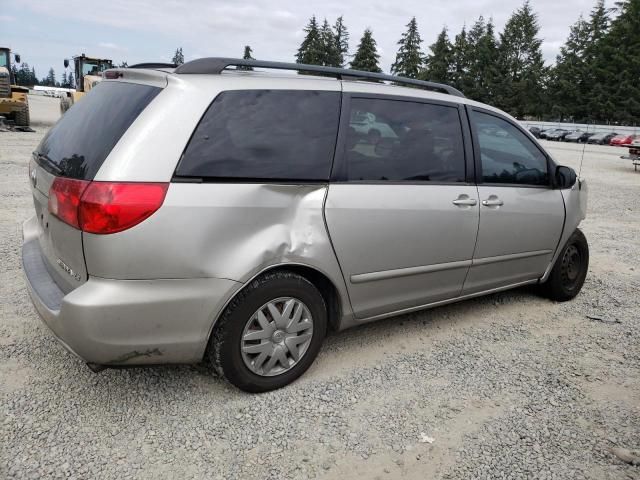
<point>492,201</point>
<point>465,201</point>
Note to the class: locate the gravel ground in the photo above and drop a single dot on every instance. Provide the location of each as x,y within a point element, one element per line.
<point>507,386</point>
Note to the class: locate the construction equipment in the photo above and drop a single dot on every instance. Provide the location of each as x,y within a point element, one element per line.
<point>14,103</point>
<point>87,73</point>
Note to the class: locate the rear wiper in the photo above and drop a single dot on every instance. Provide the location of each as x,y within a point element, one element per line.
<point>49,163</point>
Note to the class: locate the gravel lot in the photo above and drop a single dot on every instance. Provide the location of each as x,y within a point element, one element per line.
<point>507,386</point>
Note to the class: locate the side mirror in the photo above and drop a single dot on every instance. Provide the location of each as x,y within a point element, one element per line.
<point>66,63</point>
<point>565,177</point>
<point>17,57</point>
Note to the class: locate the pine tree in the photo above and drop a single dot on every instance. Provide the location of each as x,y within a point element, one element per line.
<point>521,66</point>
<point>178,57</point>
<point>570,84</point>
<point>33,80</point>
<point>460,61</point>
<point>366,57</point>
<point>598,102</point>
<point>619,64</point>
<point>51,78</point>
<point>330,52</point>
<point>480,74</point>
<point>438,63</point>
<point>70,80</point>
<point>311,50</point>
<point>342,41</point>
<point>409,57</point>
<point>63,81</point>
<point>247,56</point>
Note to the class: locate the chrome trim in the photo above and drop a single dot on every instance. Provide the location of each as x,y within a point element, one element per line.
<point>512,256</point>
<point>443,302</point>
<point>404,272</point>
<point>438,267</point>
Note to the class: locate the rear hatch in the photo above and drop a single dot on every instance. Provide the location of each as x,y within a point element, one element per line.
<point>72,152</point>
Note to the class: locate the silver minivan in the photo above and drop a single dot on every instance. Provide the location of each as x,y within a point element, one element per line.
<point>237,216</point>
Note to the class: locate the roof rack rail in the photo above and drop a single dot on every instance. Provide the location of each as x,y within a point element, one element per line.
<point>153,65</point>
<point>215,65</point>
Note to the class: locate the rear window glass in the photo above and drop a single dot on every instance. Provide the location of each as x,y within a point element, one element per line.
<point>265,134</point>
<point>79,143</point>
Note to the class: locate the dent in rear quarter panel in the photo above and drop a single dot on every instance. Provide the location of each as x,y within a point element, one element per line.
<point>230,231</point>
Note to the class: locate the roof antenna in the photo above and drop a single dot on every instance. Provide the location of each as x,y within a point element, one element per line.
<point>584,146</point>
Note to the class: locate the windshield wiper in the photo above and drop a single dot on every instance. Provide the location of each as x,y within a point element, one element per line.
<point>49,164</point>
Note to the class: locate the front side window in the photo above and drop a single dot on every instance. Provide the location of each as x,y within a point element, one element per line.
<point>404,141</point>
<point>508,155</point>
<point>265,134</point>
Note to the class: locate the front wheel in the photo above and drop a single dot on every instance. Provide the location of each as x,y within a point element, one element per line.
<point>570,270</point>
<point>270,333</point>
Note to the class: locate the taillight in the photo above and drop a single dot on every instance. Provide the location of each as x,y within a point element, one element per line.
<point>106,207</point>
<point>64,199</point>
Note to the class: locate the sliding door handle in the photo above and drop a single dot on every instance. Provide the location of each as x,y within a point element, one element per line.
<point>465,201</point>
<point>492,201</point>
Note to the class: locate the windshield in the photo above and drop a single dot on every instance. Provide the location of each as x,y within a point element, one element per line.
<point>93,68</point>
<point>4,58</point>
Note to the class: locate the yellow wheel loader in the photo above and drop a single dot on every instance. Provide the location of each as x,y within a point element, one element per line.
<point>14,102</point>
<point>87,73</point>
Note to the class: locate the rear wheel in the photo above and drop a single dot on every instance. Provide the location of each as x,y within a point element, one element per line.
<point>570,270</point>
<point>270,334</point>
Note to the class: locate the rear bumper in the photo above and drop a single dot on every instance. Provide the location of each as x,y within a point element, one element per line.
<point>126,322</point>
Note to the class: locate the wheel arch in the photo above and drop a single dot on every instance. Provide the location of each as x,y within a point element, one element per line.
<point>320,280</point>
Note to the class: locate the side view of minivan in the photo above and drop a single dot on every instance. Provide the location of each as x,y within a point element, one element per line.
<point>236,216</point>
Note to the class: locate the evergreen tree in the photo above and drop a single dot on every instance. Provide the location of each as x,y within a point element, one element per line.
<point>460,61</point>
<point>618,64</point>
<point>366,57</point>
<point>33,80</point>
<point>330,52</point>
<point>521,65</point>
<point>63,81</point>
<point>51,78</point>
<point>311,50</point>
<point>439,62</point>
<point>247,56</point>
<point>570,85</point>
<point>409,57</point>
<point>71,80</point>
<point>484,65</point>
<point>178,57</point>
<point>342,41</point>
<point>598,102</point>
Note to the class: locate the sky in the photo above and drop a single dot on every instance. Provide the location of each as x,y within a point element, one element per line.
<point>45,32</point>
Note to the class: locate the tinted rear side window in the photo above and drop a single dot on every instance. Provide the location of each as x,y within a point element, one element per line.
<point>79,143</point>
<point>404,141</point>
<point>265,134</point>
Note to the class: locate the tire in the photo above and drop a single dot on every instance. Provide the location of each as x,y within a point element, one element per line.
<point>226,350</point>
<point>22,117</point>
<point>570,270</point>
<point>65,104</point>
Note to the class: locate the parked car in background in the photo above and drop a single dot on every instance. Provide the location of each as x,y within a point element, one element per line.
<point>623,139</point>
<point>558,134</point>
<point>244,232</point>
<point>544,133</point>
<point>578,136</point>
<point>535,131</point>
<point>601,138</point>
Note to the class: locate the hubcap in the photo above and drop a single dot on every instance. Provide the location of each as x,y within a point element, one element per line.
<point>571,265</point>
<point>277,336</point>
